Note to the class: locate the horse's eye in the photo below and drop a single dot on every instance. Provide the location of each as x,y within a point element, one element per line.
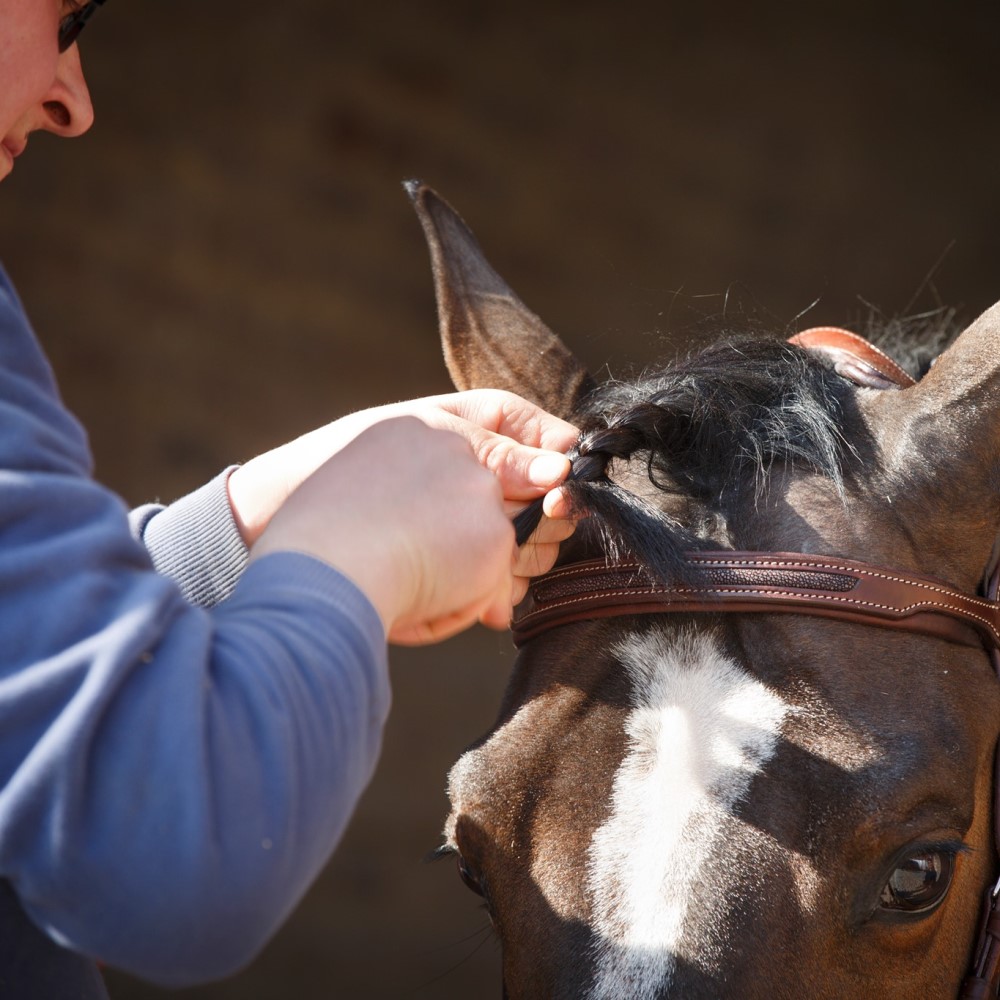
<point>467,876</point>
<point>919,882</point>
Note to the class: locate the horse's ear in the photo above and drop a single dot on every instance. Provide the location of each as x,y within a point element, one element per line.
<point>942,440</point>
<point>957,403</point>
<point>491,339</point>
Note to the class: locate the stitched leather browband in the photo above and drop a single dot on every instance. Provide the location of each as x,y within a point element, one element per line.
<point>761,582</point>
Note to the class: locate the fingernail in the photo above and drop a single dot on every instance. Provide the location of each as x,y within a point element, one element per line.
<point>556,505</point>
<point>547,469</point>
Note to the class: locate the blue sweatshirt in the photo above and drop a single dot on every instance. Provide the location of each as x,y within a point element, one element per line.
<point>176,765</point>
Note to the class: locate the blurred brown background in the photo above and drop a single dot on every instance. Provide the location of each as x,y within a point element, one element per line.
<point>227,260</point>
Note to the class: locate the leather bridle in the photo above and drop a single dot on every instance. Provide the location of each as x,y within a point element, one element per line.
<point>761,581</point>
<point>781,582</point>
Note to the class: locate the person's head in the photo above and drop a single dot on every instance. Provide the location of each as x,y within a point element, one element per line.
<point>41,79</point>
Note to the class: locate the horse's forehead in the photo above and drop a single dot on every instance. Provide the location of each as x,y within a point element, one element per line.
<point>680,682</point>
<point>695,726</point>
<point>701,728</point>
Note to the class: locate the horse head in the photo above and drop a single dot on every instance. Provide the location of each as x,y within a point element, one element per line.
<point>743,804</point>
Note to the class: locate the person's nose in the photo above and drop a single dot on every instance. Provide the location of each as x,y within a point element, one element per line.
<point>66,107</point>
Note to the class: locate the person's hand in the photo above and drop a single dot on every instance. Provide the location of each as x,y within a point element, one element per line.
<point>513,438</point>
<point>362,490</point>
<point>410,515</point>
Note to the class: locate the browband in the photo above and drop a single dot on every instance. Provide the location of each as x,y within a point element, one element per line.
<point>760,582</point>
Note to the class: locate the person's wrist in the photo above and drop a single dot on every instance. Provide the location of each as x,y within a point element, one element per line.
<point>247,501</point>
<point>258,488</point>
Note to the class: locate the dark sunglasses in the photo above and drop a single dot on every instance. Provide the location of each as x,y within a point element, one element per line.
<point>72,24</point>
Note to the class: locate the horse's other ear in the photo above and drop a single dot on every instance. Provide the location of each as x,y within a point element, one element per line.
<point>942,440</point>
<point>490,338</point>
<point>957,403</point>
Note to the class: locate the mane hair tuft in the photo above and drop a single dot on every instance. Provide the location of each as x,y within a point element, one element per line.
<point>709,428</point>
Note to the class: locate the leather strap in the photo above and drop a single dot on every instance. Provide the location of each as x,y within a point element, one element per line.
<point>983,980</point>
<point>854,358</point>
<point>761,582</point>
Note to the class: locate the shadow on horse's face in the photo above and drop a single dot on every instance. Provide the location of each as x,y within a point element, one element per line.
<point>749,805</point>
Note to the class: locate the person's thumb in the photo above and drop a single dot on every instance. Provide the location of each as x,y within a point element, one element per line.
<point>526,473</point>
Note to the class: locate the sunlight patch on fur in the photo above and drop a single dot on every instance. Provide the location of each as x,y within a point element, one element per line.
<point>833,738</point>
<point>700,729</point>
<point>474,779</point>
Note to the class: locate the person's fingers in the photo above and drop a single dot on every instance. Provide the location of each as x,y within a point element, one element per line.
<point>535,559</point>
<point>514,507</point>
<point>549,530</point>
<point>524,473</point>
<point>498,616</point>
<point>516,440</point>
<point>519,441</point>
<point>495,615</point>
<point>557,506</point>
<point>428,633</point>
<point>512,416</point>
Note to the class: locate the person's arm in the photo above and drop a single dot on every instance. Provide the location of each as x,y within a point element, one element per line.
<point>172,778</point>
<point>202,540</point>
<point>519,443</point>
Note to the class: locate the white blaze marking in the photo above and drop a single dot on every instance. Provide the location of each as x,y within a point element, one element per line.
<point>700,729</point>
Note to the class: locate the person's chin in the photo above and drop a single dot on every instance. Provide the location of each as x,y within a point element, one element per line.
<point>10,150</point>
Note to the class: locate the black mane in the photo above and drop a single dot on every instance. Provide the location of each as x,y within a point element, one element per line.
<point>709,429</point>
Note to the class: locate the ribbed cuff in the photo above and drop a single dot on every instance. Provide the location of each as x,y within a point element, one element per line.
<point>195,541</point>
